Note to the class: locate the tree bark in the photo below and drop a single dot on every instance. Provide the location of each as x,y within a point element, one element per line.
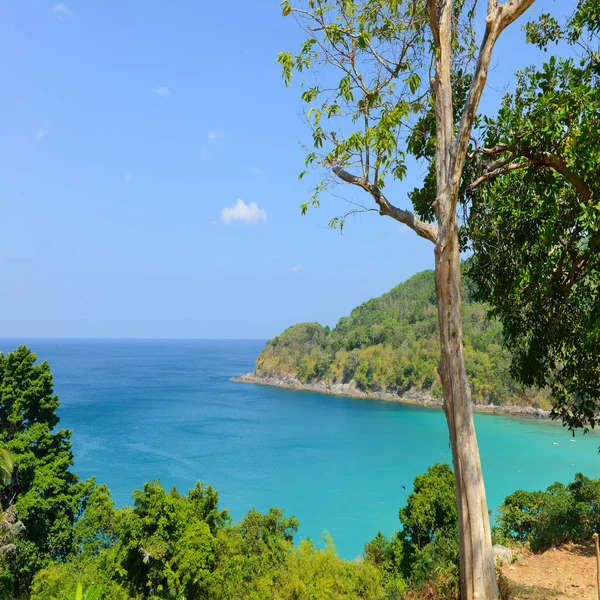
<point>477,569</point>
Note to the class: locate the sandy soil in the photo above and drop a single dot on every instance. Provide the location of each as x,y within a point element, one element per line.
<point>559,573</point>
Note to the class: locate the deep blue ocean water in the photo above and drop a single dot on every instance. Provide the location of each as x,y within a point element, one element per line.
<point>142,410</point>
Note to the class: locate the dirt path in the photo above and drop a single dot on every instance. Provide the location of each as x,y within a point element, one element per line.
<point>560,573</point>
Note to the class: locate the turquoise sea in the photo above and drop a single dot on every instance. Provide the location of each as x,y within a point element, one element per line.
<point>142,410</point>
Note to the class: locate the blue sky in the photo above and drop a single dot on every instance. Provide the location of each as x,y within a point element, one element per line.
<point>126,131</point>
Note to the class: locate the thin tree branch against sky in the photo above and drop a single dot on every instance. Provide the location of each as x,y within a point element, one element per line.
<point>127,128</point>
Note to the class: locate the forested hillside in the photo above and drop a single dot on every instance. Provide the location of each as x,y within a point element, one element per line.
<point>390,344</point>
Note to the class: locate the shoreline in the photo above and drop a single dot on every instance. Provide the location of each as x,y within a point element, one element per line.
<point>414,398</point>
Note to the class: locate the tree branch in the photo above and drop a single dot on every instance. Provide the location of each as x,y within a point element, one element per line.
<point>440,21</point>
<point>433,21</point>
<point>559,165</point>
<point>548,159</point>
<point>422,229</point>
<point>502,171</point>
<point>491,151</point>
<point>498,18</point>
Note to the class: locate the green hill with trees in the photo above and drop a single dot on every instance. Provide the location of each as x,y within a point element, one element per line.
<point>390,346</point>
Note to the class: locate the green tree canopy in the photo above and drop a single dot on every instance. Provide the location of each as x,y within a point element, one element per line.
<point>47,495</point>
<point>430,510</point>
<point>165,545</point>
<point>7,465</point>
<point>424,551</point>
<point>534,225</point>
<point>171,546</point>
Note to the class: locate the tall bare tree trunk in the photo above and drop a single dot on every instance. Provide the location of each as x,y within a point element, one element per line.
<point>478,574</point>
<point>477,570</point>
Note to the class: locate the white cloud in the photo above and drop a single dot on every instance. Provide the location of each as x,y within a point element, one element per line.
<point>257,171</point>
<point>127,179</point>
<point>61,10</point>
<point>163,91</point>
<point>297,268</point>
<point>42,132</point>
<point>251,213</point>
<point>215,135</point>
<point>204,154</point>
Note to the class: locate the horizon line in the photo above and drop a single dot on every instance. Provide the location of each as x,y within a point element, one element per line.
<point>134,339</point>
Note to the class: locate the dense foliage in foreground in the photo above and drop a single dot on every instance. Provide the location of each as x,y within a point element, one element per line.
<point>47,496</point>
<point>170,545</point>
<point>176,546</point>
<point>391,344</point>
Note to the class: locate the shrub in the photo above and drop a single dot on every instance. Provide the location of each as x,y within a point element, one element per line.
<point>423,555</point>
<point>560,514</point>
<point>518,516</point>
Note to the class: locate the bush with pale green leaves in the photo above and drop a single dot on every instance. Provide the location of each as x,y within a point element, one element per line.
<point>176,546</point>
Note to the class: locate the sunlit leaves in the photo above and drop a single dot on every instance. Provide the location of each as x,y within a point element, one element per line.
<point>311,157</point>
<point>336,222</point>
<point>413,81</point>
<point>345,89</point>
<point>318,137</point>
<point>369,61</point>
<point>333,110</point>
<point>6,466</point>
<point>287,65</point>
<point>543,31</point>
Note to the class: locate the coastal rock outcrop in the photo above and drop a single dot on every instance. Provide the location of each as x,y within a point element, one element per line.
<point>350,389</point>
<point>502,554</point>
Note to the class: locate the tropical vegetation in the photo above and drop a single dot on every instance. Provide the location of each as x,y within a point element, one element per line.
<point>535,233</point>
<point>519,190</point>
<point>391,344</point>
<point>560,514</point>
<point>46,495</point>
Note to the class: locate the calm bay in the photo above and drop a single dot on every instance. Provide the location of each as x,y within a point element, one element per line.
<point>147,409</point>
